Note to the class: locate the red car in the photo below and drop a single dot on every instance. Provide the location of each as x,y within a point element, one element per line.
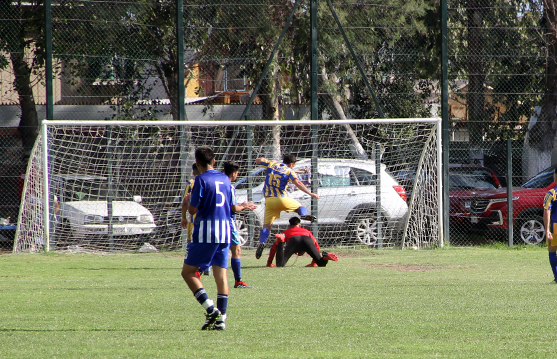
<point>490,208</point>
<point>465,183</point>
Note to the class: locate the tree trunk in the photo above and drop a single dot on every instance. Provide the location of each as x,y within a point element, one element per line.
<point>475,97</point>
<point>168,74</point>
<point>29,122</point>
<point>271,110</point>
<point>333,104</point>
<point>542,134</point>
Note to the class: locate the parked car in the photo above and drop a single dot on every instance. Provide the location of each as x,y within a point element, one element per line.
<point>169,223</point>
<point>490,208</point>
<point>347,204</point>
<point>465,182</point>
<point>84,209</point>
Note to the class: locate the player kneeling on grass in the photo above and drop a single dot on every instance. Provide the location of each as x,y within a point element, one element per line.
<point>231,169</point>
<point>210,201</point>
<point>550,223</point>
<point>300,240</point>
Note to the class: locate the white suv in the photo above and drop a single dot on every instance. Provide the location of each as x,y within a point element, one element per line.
<point>84,209</point>
<point>347,204</point>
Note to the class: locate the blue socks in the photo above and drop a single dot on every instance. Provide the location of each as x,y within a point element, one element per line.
<point>263,235</point>
<point>222,303</point>
<point>302,211</point>
<point>235,264</point>
<point>553,263</point>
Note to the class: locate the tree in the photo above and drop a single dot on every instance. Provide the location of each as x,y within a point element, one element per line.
<point>542,134</point>
<point>22,39</point>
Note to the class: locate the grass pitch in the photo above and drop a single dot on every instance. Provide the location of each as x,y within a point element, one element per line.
<point>445,303</point>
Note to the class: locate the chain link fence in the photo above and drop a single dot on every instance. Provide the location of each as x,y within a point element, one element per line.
<point>255,59</point>
<point>501,64</point>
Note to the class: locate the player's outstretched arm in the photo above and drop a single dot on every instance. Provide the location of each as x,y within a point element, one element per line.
<point>304,189</point>
<point>240,207</point>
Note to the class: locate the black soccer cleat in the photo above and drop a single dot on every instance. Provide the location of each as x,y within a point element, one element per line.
<point>308,217</point>
<point>210,319</point>
<point>259,250</point>
<point>219,325</point>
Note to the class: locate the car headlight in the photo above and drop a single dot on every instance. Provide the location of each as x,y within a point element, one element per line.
<point>145,218</point>
<point>498,200</point>
<point>93,219</point>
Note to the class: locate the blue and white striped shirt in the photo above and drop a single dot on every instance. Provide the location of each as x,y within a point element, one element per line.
<point>212,196</point>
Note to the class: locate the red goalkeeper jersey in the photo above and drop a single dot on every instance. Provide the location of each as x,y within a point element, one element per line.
<point>299,231</point>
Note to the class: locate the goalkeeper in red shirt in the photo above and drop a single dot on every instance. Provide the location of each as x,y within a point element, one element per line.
<point>299,240</point>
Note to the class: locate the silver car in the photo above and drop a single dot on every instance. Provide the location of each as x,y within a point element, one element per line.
<point>347,208</point>
<point>84,209</point>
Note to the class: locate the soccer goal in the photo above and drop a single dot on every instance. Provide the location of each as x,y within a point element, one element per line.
<point>113,185</point>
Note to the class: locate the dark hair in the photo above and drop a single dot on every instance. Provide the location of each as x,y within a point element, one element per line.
<point>288,159</point>
<point>205,156</point>
<point>230,167</point>
<point>294,221</point>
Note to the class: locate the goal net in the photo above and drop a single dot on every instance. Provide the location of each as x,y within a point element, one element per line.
<point>109,185</point>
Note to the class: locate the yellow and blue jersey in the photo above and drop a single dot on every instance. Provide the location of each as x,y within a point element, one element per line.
<point>189,187</point>
<point>278,176</point>
<point>549,202</point>
<point>189,227</point>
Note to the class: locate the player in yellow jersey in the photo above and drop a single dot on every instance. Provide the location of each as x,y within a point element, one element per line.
<point>276,198</point>
<point>550,224</point>
<point>185,202</point>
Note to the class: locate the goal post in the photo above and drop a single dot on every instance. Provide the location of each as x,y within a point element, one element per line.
<point>117,185</point>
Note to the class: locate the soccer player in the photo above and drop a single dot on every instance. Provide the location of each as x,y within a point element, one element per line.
<point>550,221</point>
<point>188,224</point>
<point>276,199</point>
<point>210,202</point>
<point>185,203</point>
<point>300,240</point>
<point>231,169</point>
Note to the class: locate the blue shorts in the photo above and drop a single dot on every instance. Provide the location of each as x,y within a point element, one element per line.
<point>204,255</point>
<point>235,238</point>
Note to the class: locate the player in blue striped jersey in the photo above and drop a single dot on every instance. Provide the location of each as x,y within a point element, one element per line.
<point>276,199</point>
<point>210,202</point>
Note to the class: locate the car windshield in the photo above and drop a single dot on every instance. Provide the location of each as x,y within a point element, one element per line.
<point>92,190</point>
<point>541,180</point>
<point>338,176</point>
<point>470,179</point>
<point>258,176</point>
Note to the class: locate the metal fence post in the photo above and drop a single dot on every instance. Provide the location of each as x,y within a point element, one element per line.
<point>510,190</point>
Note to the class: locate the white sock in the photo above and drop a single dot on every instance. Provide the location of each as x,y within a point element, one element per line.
<point>208,304</point>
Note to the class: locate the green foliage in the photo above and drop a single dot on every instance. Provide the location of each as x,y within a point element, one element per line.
<point>504,53</point>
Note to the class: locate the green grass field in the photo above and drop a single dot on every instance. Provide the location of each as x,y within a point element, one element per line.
<point>445,303</point>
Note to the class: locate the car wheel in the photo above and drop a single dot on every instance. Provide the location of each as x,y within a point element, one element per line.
<point>242,226</point>
<point>364,228</point>
<point>531,230</point>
